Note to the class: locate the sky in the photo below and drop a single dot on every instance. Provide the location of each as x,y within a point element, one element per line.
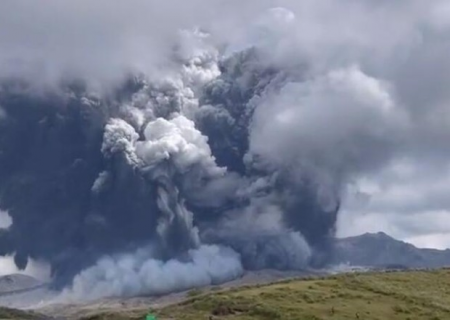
<point>374,110</point>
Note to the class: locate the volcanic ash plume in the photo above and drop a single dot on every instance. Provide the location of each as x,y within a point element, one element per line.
<point>137,273</point>
<point>146,162</point>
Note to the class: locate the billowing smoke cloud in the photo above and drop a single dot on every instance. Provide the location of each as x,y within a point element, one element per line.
<point>137,273</point>
<point>159,149</point>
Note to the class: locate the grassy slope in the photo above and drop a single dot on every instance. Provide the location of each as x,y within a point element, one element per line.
<point>6,313</point>
<point>384,296</point>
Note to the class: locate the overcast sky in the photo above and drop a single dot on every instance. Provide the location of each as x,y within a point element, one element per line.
<point>361,54</point>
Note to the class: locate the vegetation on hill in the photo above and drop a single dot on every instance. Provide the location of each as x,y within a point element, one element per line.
<point>413,295</point>
<point>13,314</point>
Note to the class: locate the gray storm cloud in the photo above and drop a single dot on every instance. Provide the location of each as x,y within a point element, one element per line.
<point>150,147</point>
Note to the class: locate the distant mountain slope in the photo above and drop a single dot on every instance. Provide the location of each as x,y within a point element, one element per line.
<point>17,282</point>
<point>381,250</point>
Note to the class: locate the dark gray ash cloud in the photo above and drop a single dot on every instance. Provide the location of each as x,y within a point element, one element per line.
<point>144,142</point>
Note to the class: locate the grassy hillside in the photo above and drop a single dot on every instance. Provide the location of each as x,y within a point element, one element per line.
<point>12,314</point>
<point>383,296</point>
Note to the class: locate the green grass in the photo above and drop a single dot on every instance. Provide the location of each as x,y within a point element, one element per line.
<point>194,293</point>
<point>378,296</point>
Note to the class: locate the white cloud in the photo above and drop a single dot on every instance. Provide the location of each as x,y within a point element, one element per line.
<point>5,220</point>
<point>408,200</point>
<point>138,273</point>
<point>177,139</point>
<point>431,241</point>
<point>36,269</point>
<point>381,128</point>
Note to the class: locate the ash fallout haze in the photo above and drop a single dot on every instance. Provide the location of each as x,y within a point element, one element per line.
<point>154,146</point>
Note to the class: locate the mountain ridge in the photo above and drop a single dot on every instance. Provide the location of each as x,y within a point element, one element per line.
<point>381,250</point>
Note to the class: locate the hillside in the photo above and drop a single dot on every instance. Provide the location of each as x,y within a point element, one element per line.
<point>413,295</point>
<point>346,294</point>
<point>13,314</point>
